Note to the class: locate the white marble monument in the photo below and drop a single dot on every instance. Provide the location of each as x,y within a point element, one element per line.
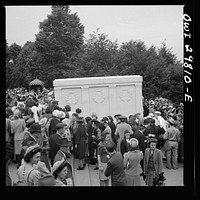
<point>107,95</point>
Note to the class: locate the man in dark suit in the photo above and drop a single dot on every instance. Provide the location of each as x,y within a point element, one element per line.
<point>115,166</point>
<point>64,153</point>
<point>53,139</point>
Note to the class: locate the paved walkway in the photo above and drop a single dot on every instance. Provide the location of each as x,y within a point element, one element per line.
<point>90,177</point>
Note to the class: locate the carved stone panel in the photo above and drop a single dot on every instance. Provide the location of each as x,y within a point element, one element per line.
<point>99,101</point>
<point>72,97</point>
<point>104,95</point>
<point>125,98</point>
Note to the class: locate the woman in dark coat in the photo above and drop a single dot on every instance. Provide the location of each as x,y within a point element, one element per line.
<point>80,137</point>
<point>125,143</point>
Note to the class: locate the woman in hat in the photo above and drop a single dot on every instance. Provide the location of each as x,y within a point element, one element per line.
<point>26,172</point>
<point>60,172</point>
<point>172,137</point>
<point>47,180</point>
<point>45,143</point>
<point>103,157</point>
<point>64,153</point>
<point>132,165</point>
<point>152,162</point>
<point>113,127</point>
<point>80,137</point>
<point>125,143</point>
<point>120,129</point>
<point>18,127</point>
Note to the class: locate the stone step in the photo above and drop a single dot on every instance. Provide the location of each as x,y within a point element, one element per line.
<point>81,177</point>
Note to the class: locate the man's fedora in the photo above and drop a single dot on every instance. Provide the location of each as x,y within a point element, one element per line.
<point>63,142</point>
<point>35,128</point>
<point>47,180</point>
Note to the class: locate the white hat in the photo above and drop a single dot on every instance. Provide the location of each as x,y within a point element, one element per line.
<point>171,120</point>
<point>31,148</point>
<point>150,115</point>
<point>55,113</point>
<point>66,121</point>
<point>134,142</point>
<point>57,164</point>
<point>34,109</point>
<point>17,112</point>
<point>43,121</point>
<point>60,114</point>
<point>158,112</point>
<point>13,108</point>
<point>39,108</point>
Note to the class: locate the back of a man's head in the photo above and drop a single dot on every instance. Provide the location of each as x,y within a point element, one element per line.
<point>110,146</point>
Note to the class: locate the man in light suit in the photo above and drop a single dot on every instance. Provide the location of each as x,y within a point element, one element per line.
<point>115,166</point>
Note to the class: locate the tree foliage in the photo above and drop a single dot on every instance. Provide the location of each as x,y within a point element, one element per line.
<point>60,37</point>
<point>59,51</point>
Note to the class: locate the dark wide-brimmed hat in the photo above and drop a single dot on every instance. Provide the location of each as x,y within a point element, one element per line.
<point>117,115</point>
<point>63,142</point>
<point>60,125</point>
<point>122,117</point>
<point>47,180</point>
<point>171,121</point>
<point>35,128</point>
<point>104,120</point>
<point>55,102</point>
<point>95,121</point>
<point>79,119</point>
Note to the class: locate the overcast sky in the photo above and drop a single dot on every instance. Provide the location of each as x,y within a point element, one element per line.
<point>150,24</point>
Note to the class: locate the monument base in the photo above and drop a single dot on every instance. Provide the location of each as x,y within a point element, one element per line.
<point>107,95</point>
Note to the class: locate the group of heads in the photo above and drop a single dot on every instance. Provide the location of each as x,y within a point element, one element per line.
<point>59,169</point>
<point>33,153</point>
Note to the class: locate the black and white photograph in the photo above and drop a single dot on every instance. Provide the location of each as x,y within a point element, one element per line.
<point>95,94</point>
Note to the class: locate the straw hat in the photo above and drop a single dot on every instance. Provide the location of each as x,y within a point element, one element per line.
<point>60,114</point>
<point>158,112</point>
<point>55,113</point>
<point>43,121</point>
<point>171,121</point>
<point>31,148</point>
<point>56,165</point>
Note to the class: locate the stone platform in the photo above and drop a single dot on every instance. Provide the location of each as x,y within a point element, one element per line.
<point>107,95</point>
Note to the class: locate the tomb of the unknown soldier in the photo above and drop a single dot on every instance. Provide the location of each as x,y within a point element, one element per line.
<point>107,95</point>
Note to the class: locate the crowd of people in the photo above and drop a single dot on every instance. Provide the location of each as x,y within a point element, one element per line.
<point>41,137</point>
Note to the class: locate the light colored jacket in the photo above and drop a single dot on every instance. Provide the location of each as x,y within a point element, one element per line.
<point>18,127</point>
<point>132,162</point>
<point>157,160</point>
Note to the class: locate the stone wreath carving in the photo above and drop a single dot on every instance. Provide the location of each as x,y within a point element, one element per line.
<point>98,96</point>
<point>71,98</point>
<point>125,95</point>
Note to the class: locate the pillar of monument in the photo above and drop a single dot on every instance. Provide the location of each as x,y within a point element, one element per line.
<point>107,95</point>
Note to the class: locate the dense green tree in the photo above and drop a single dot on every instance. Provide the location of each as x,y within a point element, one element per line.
<point>27,66</point>
<point>97,55</point>
<point>12,53</point>
<point>60,38</point>
<point>59,51</point>
<point>132,58</point>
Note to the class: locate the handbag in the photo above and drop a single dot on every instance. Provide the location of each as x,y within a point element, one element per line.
<point>166,146</point>
<point>76,153</point>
